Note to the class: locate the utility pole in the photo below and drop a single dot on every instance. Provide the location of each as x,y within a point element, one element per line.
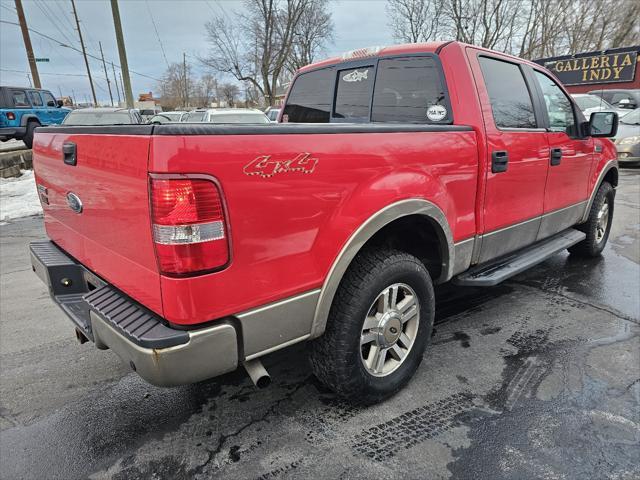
<point>105,73</point>
<point>27,44</point>
<point>29,78</point>
<point>60,91</point>
<point>124,66</point>
<point>186,83</point>
<point>73,98</point>
<point>84,53</point>
<point>115,80</point>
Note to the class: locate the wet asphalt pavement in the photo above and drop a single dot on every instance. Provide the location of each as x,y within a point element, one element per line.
<point>536,378</point>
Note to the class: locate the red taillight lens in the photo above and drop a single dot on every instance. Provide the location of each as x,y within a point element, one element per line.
<point>188,225</point>
<point>11,116</point>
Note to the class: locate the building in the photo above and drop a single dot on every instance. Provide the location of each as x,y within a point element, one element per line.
<point>583,72</point>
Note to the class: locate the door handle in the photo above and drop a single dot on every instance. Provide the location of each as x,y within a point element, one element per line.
<point>499,161</point>
<point>69,153</point>
<point>556,156</point>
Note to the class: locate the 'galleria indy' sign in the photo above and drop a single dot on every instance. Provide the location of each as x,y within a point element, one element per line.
<point>608,68</point>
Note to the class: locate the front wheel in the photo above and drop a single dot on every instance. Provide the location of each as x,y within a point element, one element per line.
<point>378,328</point>
<point>598,224</point>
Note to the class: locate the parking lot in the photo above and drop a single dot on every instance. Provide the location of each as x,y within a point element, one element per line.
<point>536,378</point>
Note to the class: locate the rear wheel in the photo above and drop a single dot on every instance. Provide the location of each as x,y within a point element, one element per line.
<point>378,327</point>
<point>598,225</point>
<point>28,136</point>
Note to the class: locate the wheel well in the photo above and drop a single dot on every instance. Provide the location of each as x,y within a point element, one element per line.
<point>612,177</point>
<point>416,235</point>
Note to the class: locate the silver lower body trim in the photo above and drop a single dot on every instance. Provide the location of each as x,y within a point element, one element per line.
<point>277,325</point>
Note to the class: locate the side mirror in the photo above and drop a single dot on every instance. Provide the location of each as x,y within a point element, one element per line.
<point>51,103</point>
<point>60,103</point>
<point>603,124</point>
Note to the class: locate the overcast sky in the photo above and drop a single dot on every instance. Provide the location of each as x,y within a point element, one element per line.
<point>180,23</point>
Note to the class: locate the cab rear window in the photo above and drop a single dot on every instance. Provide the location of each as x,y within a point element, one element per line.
<point>407,89</point>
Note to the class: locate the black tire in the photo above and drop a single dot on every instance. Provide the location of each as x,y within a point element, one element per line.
<point>336,357</point>
<point>595,242</point>
<point>28,136</point>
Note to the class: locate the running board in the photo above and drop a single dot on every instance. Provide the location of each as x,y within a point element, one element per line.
<point>490,274</point>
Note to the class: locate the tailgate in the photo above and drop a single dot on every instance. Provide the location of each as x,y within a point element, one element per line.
<point>111,232</point>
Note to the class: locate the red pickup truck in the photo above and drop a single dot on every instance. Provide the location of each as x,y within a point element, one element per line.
<point>192,249</point>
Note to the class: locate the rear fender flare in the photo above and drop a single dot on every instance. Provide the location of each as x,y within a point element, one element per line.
<point>364,233</point>
<point>29,116</point>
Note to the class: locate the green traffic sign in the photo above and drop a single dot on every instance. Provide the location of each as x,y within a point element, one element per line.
<point>42,59</point>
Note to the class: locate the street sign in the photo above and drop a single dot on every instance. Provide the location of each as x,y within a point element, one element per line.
<point>42,59</point>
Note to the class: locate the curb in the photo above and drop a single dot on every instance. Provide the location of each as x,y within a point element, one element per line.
<point>12,162</point>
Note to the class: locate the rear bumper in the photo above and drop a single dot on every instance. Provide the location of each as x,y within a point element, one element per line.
<point>7,133</point>
<point>160,354</point>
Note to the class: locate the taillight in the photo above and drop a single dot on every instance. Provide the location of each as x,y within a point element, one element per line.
<point>11,116</point>
<point>189,228</point>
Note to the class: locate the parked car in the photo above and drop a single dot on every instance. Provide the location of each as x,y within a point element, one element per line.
<point>628,138</point>
<point>627,99</point>
<point>272,113</point>
<point>168,117</point>
<point>193,249</point>
<point>22,110</point>
<point>103,116</point>
<point>235,115</point>
<point>588,104</point>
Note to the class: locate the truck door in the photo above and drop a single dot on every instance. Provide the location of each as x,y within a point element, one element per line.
<point>39,108</point>
<point>55,114</point>
<point>570,159</point>
<point>517,155</point>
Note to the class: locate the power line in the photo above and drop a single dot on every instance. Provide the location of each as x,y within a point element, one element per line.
<point>155,28</point>
<point>48,73</point>
<point>62,44</point>
<point>52,18</point>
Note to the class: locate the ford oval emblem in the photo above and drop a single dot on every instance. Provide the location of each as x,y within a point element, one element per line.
<point>74,202</point>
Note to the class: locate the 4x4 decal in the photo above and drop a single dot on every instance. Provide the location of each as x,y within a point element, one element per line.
<point>265,167</point>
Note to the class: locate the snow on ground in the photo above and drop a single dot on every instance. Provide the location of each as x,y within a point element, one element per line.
<point>19,197</point>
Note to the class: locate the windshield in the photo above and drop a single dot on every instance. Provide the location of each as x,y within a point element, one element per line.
<point>632,118</point>
<point>238,118</point>
<point>589,101</point>
<point>97,118</point>
<point>195,117</point>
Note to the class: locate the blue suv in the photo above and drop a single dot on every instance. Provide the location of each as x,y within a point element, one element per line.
<point>24,109</point>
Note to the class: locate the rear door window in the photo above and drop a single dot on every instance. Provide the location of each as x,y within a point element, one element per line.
<point>20,98</point>
<point>510,99</point>
<point>353,95</point>
<point>409,90</point>
<point>36,101</point>
<point>310,98</point>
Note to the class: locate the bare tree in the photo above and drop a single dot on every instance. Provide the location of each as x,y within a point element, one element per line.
<point>313,32</point>
<point>256,45</point>
<point>414,21</point>
<point>174,89</point>
<point>206,90</point>
<point>229,92</point>
<point>528,28</point>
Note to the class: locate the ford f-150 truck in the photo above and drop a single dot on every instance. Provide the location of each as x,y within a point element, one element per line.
<point>193,249</point>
